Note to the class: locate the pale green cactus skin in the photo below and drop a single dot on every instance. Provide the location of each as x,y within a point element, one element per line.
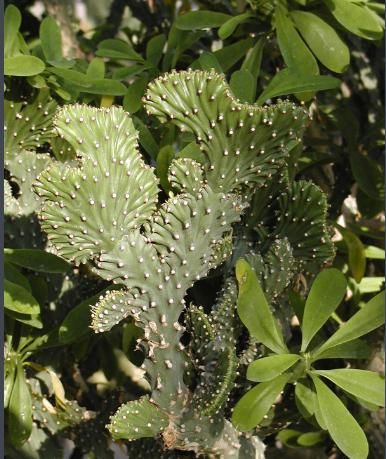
<point>102,209</point>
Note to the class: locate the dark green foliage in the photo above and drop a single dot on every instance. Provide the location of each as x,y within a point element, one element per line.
<point>146,209</point>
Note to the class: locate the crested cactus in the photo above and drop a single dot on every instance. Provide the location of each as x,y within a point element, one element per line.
<point>103,209</point>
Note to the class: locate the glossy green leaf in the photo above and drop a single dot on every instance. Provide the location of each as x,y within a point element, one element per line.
<point>322,39</point>
<point>254,405</point>
<point>343,428</point>
<point>12,22</point>
<point>370,284</point>
<point>288,437</point>
<point>356,253</point>
<point>252,61</point>
<point>105,87</point>
<point>126,72</point>
<point>243,86</point>
<point>311,438</point>
<point>230,55</point>
<point>375,253</point>
<point>295,53</point>
<point>154,49</point>
<point>367,385</point>
<point>117,49</point>
<point>18,299</point>
<point>36,260</point>
<point>356,18</point>
<point>146,138</point>
<point>202,19</point>
<point>12,274</point>
<point>164,159</point>
<point>228,27</point>
<point>370,317</point>
<point>305,398</point>
<point>20,410</point>
<point>356,349</point>
<point>72,77</point>
<point>255,312</point>
<point>32,320</point>
<point>290,82</point>
<point>327,292</point>
<point>96,68</point>
<point>133,98</point>
<point>208,61</point>
<point>10,366</point>
<point>270,367</point>
<point>51,39</point>
<point>23,65</point>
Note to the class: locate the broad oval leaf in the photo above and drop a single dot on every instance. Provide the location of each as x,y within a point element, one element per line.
<point>96,68</point>
<point>322,39</point>
<point>12,22</point>
<point>254,311</point>
<point>255,404</point>
<point>295,52</point>
<point>367,385</point>
<point>227,29</point>
<point>305,398</point>
<point>374,252</point>
<point>105,87</point>
<point>12,274</point>
<point>327,291</point>
<point>252,61</point>
<point>36,260</point>
<point>270,367</point>
<point>208,61</point>
<point>356,18</point>
<point>154,49</point>
<point>164,159</point>
<point>288,81</point>
<point>117,49</point>
<point>202,19</point>
<point>18,299</point>
<point>243,86</point>
<point>22,65</point>
<point>370,317</point>
<point>343,428</point>
<point>229,55</point>
<point>356,349</point>
<point>134,94</point>
<point>51,39</point>
<point>20,410</point>
<point>356,253</point>
<point>10,365</point>
<point>311,438</point>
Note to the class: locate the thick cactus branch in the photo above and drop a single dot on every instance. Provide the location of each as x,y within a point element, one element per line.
<point>244,145</point>
<point>102,208</point>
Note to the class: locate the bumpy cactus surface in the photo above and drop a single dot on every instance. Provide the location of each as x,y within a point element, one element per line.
<point>103,209</point>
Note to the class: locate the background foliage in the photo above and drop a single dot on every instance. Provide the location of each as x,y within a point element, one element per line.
<point>327,55</point>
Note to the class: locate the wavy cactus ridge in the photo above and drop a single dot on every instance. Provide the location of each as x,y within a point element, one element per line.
<point>27,123</point>
<point>244,144</point>
<point>104,208</point>
<point>85,205</point>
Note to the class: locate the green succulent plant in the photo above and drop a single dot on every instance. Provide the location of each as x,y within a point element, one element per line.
<point>103,209</point>
<point>300,367</point>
